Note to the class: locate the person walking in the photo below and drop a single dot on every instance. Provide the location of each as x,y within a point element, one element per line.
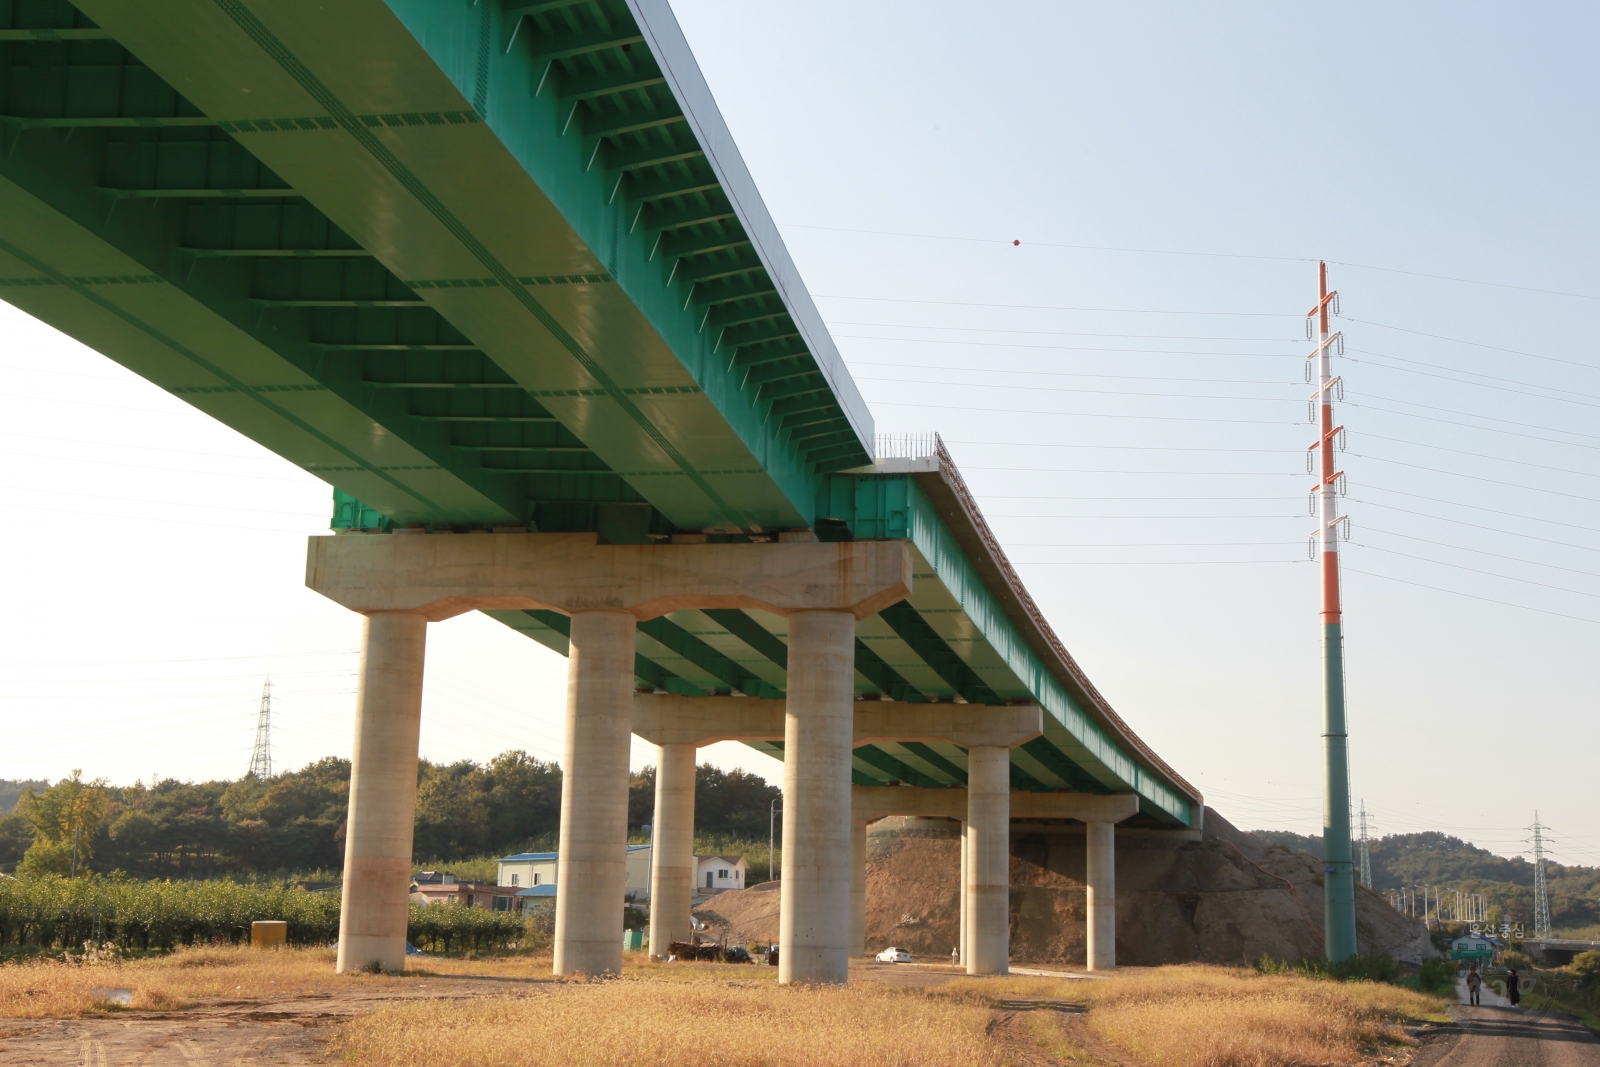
<point>1474,983</point>
<point>1513,988</point>
<point>955,957</point>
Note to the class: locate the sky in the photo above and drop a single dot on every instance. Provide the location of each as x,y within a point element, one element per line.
<point>1078,241</point>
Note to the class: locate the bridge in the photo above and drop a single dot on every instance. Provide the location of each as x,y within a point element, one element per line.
<point>495,271</point>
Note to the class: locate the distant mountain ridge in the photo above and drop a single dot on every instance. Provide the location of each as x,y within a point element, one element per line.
<point>11,790</point>
<point>1441,861</point>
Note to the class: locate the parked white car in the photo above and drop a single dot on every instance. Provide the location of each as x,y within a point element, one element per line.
<point>894,955</point>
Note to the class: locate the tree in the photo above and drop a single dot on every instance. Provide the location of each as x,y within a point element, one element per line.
<point>64,819</point>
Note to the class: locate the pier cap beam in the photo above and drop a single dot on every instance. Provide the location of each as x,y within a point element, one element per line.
<point>439,576</point>
<point>668,719</point>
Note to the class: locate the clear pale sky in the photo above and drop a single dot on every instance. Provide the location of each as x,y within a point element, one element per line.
<point>1123,390</point>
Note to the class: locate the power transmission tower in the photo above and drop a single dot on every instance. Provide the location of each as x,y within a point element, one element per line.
<point>261,758</point>
<point>1366,851</point>
<point>1541,890</point>
<point>1338,881</point>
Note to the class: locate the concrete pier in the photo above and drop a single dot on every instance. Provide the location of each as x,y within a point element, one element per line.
<point>672,854</point>
<point>988,885</point>
<point>594,794</point>
<point>814,924</point>
<point>383,793</point>
<point>1101,874</point>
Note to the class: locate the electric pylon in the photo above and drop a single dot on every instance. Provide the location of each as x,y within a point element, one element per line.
<point>1366,851</point>
<point>261,758</point>
<point>1338,881</point>
<point>1541,890</point>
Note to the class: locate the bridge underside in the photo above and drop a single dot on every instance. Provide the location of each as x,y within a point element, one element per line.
<point>498,266</point>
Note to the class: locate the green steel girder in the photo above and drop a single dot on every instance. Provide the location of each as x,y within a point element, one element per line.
<point>605,83</point>
<point>786,351</point>
<point>662,186</point>
<point>654,153</point>
<point>894,768</point>
<point>707,658</point>
<point>549,47</point>
<point>889,681</point>
<point>809,385</point>
<point>925,752</point>
<point>699,245</point>
<point>751,309</point>
<point>786,370</point>
<point>707,208</point>
<point>616,123</point>
<point>926,643</point>
<point>779,328</point>
<point>751,632</point>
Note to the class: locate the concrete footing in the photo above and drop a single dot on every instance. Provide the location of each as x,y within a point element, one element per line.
<point>814,927</point>
<point>858,887</point>
<point>672,855</point>
<point>1101,876</point>
<point>383,794</point>
<point>594,794</point>
<point>988,884</point>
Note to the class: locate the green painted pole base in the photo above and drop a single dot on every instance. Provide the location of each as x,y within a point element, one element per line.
<point>1338,877</point>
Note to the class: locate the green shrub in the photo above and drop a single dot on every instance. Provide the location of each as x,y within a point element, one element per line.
<point>1586,965</point>
<point>1355,969</point>
<point>1437,976</point>
<point>50,912</point>
<point>456,927</point>
<point>1516,960</point>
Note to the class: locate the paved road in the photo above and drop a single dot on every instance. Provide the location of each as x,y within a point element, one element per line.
<point>1498,1035</point>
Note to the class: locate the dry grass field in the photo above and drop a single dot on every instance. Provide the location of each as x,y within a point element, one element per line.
<point>493,1011</point>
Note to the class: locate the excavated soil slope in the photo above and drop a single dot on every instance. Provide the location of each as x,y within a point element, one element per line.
<point>1225,899</point>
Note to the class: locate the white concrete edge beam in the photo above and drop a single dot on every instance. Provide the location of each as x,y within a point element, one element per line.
<point>877,802</point>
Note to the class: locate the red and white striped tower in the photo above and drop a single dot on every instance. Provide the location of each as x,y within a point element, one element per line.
<point>1339,894</point>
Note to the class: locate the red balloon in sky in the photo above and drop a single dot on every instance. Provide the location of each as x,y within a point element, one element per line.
<point>1015,243</point>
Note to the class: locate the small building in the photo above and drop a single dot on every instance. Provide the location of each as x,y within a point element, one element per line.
<point>467,894</point>
<point>718,874</point>
<point>1476,947</point>
<point>529,870</point>
<point>534,897</point>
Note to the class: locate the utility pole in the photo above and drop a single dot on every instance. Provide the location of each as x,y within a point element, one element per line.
<point>1338,882</point>
<point>1366,851</point>
<point>261,758</point>
<point>1541,890</point>
<point>772,832</point>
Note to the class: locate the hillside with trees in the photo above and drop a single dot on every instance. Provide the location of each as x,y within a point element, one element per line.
<point>293,823</point>
<point>1450,863</point>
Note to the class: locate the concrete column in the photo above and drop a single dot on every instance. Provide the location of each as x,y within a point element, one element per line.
<point>1101,874</point>
<point>672,858</point>
<point>858,887</point>
<point>961,897</point>
<point>383,793</point>
<point>592,875</point>
<point>814,920</point>
<point>988,887</point>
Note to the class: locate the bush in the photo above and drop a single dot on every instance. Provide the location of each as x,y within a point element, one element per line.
<point>456,926</point>
<point>1437,976</point>
<point>52,912</point>
<point>1355,969</point>
<point>1586,965</point>
<point>1516,960</point>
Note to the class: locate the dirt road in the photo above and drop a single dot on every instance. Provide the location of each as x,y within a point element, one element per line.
<point>284,1032</point>
<point>1503,1036</point>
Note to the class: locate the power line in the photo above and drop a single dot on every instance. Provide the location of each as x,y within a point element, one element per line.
<point>1458,522</point>
<point>1472,596</point>
<point>1457,372</point>
<point>1486,418</point>
<point>1057,307</point>
<point>1483,552</point>
<point>1073,414</point>
<point>1480,429</point>
<point>1070,348</point>
<point>1476,507</point>
<point>1091,392</point>
<point>1079,470</point>
<point>1474,477</point>
<point>1481,455</point>
<point>1478,570</point>
<point>1062,333</point>
<point>1474,344</point>
<point>1068,374</point>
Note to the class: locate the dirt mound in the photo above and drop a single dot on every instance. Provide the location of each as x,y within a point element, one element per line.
<point>1226,898</point>
<point>745,915</point>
